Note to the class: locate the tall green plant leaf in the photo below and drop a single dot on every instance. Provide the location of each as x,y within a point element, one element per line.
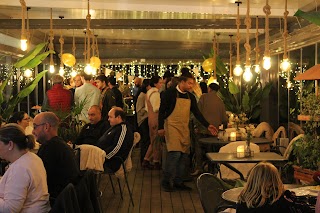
<point>37,60</point>
<point>30,55</point>
<point>27,90</point>
<point>245,102</point>
<point>313,16</point>
<point>233,88</point>
<point>3,85</point>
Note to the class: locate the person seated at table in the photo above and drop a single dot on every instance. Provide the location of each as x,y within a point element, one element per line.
<point>23,188</point>
<point>91,132</point>
<point>264,191</point>
<point>116,141</point>
<point>21,118</point>
<point>57,156</point>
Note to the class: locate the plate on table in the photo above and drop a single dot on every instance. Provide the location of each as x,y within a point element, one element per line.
<point>304,191</point>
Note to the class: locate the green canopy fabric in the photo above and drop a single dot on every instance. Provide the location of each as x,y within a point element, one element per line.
<point>313,17</point>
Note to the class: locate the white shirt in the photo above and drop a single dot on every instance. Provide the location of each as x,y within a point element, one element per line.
<point>23,188</point>
<point>90,94</point>
<point>154,99</point>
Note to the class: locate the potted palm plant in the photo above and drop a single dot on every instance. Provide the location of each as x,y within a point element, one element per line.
<point>29,61</point>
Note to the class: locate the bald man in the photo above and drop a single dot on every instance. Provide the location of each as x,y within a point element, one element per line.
<point>58,158</point>
<point>91,132</point>
<point>118,140</point>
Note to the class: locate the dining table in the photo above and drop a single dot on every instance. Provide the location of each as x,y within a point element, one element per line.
<point>227,158</point>
<point>213,142</point>
<point>232,195</point>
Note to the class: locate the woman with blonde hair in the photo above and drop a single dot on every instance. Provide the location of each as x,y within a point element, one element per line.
<point>264,191</point>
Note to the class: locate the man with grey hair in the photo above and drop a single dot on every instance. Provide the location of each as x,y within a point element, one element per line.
<point>58,158</point>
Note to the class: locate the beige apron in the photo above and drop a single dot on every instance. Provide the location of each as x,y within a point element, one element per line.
<point>176,127</point>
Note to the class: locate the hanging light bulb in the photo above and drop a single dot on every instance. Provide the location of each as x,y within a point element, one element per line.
<point>94,71</point>
<point>88,69</point>
<point>289,84</point>
<point>61,71</point>
<point>51,68</point>
<point>285,65</point>
<point>73,73</point>
<point>266,58</point>
<point>27,73</point>
<point>24,44</point>
<point>257,68</point>
<point>247,75</point>
<point>266,62</point>
<point>237,71</point>
<point>23,40</point>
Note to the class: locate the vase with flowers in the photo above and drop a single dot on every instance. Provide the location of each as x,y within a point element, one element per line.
<point>249,130</point>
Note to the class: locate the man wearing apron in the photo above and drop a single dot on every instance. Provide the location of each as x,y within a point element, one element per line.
<point>174,114</point>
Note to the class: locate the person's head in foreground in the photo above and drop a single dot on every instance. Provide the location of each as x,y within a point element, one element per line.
<point>116,116</point>
<point>264,186</point>
<point>13,142</point>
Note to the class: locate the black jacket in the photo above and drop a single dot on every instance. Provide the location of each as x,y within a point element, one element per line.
<point>90,133</point>
<point>116,141</point>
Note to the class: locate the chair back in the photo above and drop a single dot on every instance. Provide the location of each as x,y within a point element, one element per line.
<point>280,133</point>
<point>244,168</point>
<point>128,161</point>
<point>294,130</point>
<point>210,189</point>
<point>66,201</point>
<point>92,157</point>
<point>288,151</point>
<point>265,128</point>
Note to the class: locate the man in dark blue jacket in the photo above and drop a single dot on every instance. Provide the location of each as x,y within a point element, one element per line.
<point>116,141</point>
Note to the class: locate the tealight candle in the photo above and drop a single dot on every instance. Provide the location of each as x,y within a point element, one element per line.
<point>240,151</point>
<point>233,136</point>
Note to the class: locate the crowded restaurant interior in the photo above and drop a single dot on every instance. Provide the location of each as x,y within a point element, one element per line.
<point>159,106</point>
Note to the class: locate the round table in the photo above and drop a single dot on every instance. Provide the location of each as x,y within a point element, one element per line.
<point>232,195</point>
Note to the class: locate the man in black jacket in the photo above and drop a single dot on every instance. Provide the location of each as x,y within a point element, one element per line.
<point>117,94</point>
<point>58,158</point>
<point>91,132</point>
<point>116,141</point>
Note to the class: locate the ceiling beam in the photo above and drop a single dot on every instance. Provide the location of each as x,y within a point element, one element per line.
<point>136,23</point>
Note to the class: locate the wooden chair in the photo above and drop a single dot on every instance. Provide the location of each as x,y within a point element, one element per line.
<point>210,189</point>
<point>294,130</point>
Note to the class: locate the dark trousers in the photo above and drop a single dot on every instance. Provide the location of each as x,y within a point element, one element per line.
<point>145,139</point>
<point>175,167</point>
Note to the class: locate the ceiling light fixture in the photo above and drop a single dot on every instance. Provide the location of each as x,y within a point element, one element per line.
<point>88,69</point>
<point>61,41</point>
<point>51,48</point>
<point>285,64</point>
<point>23,40</point>
<point>257,49</point>
<point>237,69</point>
<point>266,58</point>
<point>247,75</point>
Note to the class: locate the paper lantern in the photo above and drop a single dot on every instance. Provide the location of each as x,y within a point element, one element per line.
<point>207,65</point>
<point>95,62</point>
<point>68,59</point>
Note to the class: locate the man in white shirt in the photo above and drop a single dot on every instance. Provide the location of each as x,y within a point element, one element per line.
<point>88,95</point>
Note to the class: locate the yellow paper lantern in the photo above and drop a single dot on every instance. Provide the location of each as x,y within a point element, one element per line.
<point>68,59</point>
<point>95,62</point>
<point>207,65</point>
<point>212,79</point>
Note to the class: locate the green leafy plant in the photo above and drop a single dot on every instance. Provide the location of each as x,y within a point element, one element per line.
<point>29,61</point>
<point>307,148</point>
